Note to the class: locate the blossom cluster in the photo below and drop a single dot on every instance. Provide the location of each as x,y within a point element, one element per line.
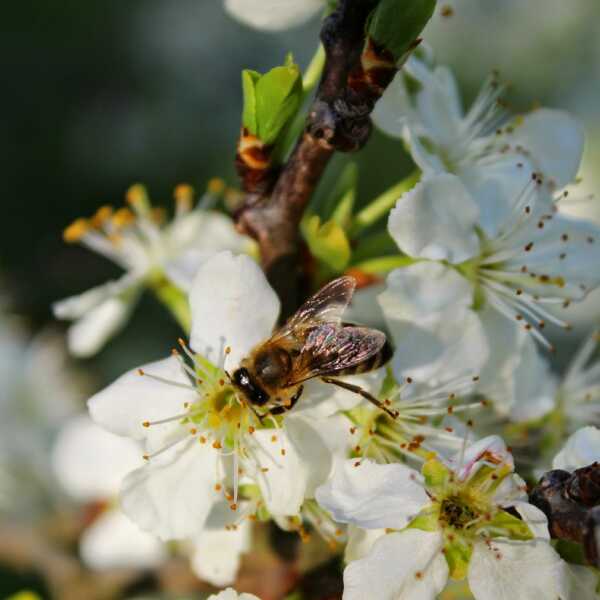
<point>402,464</point>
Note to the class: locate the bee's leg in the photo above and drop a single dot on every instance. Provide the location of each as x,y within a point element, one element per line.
<point>358,390</point>
<point>278,410</point>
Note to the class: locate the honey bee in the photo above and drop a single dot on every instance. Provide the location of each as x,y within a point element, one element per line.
<point>314,342</point>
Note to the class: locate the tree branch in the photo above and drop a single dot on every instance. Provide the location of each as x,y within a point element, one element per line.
<point>337,120</point>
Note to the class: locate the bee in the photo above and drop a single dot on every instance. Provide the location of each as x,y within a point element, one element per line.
<point>314,342</point>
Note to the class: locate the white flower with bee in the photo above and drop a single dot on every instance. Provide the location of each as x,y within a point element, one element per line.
<point>213,431</point>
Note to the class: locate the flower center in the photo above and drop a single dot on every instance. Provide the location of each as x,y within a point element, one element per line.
<point>457,512</point>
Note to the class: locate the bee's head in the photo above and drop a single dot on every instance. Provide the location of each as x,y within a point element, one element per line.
<point>243,380</point>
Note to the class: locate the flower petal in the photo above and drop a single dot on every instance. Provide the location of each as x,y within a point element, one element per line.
<point>371,495</point>
<point>114,542</point>
<point>554,139</point>
<point>580,450</point>
<point>291,463</point>
<point>98,313</point>
<point>505,570</point>
<point>172,498</point>
<point>408,565</point>
<point>231,594</point>
<point>232,305</point>
<point>536,520</point>
<point>423,288</point>
<point>436,220</point>
<point>90,462</point>
<point>273,15</point>
<point>124,405</point>
<point>360,542</point>
<point>217,553</point>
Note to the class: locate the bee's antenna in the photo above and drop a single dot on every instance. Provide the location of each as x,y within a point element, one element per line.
<point>361,392</point>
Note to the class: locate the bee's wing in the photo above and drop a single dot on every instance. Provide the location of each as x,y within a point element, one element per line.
<point>330,349</point>
<point>326,306</point>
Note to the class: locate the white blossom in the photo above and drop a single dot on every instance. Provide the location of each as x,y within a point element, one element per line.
<point>481,145</point>
<point>448,521</point>
<point>231,594</point>
<point>580,450</point>
<point>150,253</point>
<point>479,283</point>
<point>273,15</point>
<point>203,442</point>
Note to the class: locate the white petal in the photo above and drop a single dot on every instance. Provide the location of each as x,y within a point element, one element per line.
<point>114,542</point>
<point>554,139</point>
<point>423,288</point>
<point>231,594</point>
<point>360,542</point>
<point>580,450</point>
<point>232,305</point>
<point>436,220</point>
<point>217,553</point>
<point>401,566</point>
<point>291,477</point>
<point>173,497</point>
<point>515,377</point>
<point>507,569</point>
<point>124,405</point>
<point>535,519</point>
<point>490,449</point>
<point>391,110</point>
<point>90,462</point>
<point>583,582</point>
<point>442,347</point>
<point>273,15</point>
<point>182,269</point>
<point>496,187</point>
<point>98,313</point>
<point>371,495</point>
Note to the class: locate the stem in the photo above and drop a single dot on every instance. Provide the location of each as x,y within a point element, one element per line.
<point>174,300</point>
<point>382,205</point>
<point>338,119</point>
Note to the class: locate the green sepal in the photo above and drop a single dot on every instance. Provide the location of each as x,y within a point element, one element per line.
<point>511,526</point>
<point>427,520</point>
<point>396,24</point>
<point>327,242</point>
<point>436,474</point>
<point>458,554</point>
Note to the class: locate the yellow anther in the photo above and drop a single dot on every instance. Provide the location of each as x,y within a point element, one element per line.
<point>102,215</point>
<point>137,196</point>
<point>76,230</point>
<point>146,424</point>
<point>122,218</point>
<point>184,196</point>
<point>215,186</point>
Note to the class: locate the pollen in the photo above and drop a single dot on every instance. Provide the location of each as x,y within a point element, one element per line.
<point>184,196</point>
<point>122,218</point>
<point>74,232</point>
<point>215,186</point>
<point>103,214</point>
<point>137,196</point>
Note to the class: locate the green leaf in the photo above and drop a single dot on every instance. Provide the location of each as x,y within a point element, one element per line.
<point>249,80</point>
<point>327,242</point>
<point>396,24</point>
<point>278,97</point>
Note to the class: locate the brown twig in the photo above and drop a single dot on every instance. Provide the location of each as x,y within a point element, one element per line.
<point>338,120</point>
